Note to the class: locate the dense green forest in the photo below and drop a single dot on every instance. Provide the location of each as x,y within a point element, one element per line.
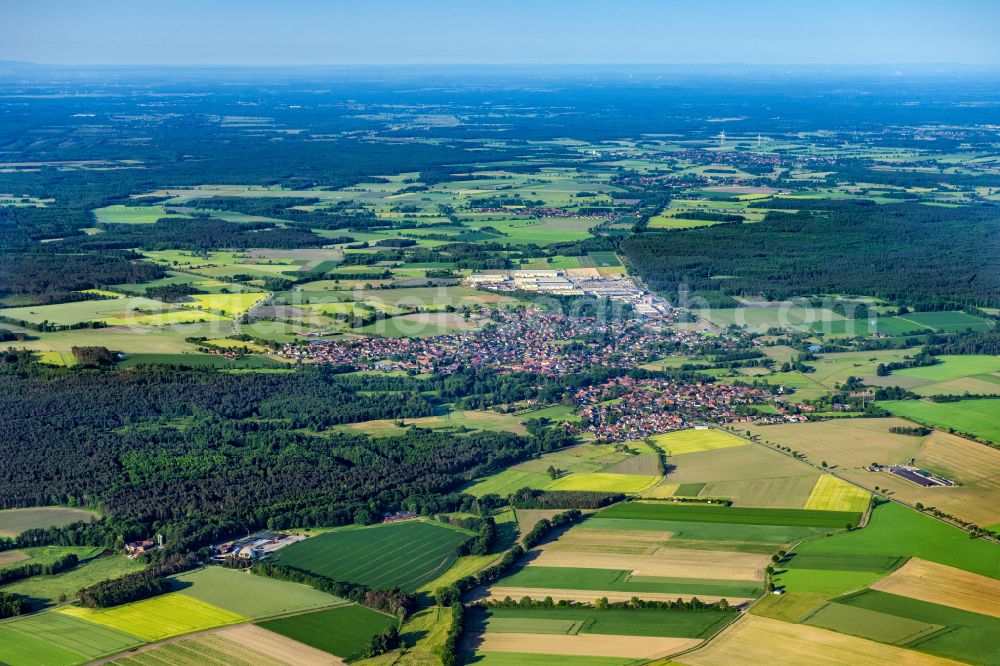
<point>198,453</point>
<point>900,252</point>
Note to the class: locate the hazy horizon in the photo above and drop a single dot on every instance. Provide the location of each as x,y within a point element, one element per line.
<point>447,32</point>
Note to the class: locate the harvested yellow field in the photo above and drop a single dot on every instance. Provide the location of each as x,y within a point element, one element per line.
<point>694,440</point>
<point>845,442</point>
<point>590,596</point>
<point>940,584</point>
<point>636,542</point>
<point>760,640</point>
<point>666,562</point>
<point>228,304</point>
<point>278,647</point>
<point>160,617</point>
<point>585,645</point>
<point>833,494</point>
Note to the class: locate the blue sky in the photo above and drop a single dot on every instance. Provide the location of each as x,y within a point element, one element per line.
<point>290,32</point>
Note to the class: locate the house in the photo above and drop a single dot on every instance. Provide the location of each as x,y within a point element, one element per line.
<point>139,547</point>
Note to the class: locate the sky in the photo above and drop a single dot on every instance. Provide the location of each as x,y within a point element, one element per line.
<point>337,32</point>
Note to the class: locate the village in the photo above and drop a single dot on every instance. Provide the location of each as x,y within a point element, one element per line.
<point>624,409</point>
<point>513,340</point>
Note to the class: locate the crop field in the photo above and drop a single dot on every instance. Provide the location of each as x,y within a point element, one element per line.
<point>157,618</point>
<point>676,624</point>
<point>541,578</point>
<point>873,625</point>
<point>662,563</point>
<point>791,492</point>
<point>224,304</point>
<point>947,321</point>
<point>968,636</point>
<point>591,461</point>
<point>643,464</point>
<point>132,311</point>
<point>761,640</point>
<point>45,590</point>
<point>845,443</point>
<point>633,647</point>
<point>344,632</point>
<point>759,318</point>
<point>952,367</point>
<point>517,659</point>
<point>86,639</point>
<point>976,417</point>
<point>733,463</point>
<point>404,555</point>
<point>896,531</point>
<point>743,535</point>
<point>944,585</point>
<point>15,521</point>
<point>17,649</point>
<point>625,483</point>
<point>953,375</point>
<point>508,481</point>
<point>268,644</point>
<point>695,440</point>
<point>735,515</point>
<point>833,494</point>
<point>248,595</point>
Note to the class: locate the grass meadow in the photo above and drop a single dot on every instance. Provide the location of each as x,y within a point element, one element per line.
<point>975,417</point>
<point>248,595</point>
<point>15,521</point>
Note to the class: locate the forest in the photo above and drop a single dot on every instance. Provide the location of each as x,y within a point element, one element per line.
<point>199,453</point>
<point>899,252</point>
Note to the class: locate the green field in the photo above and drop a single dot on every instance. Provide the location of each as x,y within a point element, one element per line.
<point>17,649</point>
<point>45,590</point>
<point>344,632</point>
<point>48,554</point>
<point>896,531</point>
<point>622,622</point>
<point>582,467</point>
<point>86,639</point>
<point>736,515</point>
<point>699,531</point>
<point>15,521</point>
<point>953,367</point>
<point>248,595</point>
<point>975,417</point>
<point>694,440</point>
<point>608,580</point>
<point>969,637</point>
<point>507,482</point>
<point>404,555</point>
<point>157,618</point>
<point>869,624</point>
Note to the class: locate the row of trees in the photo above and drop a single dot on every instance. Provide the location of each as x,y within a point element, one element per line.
<point>138,585</point>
